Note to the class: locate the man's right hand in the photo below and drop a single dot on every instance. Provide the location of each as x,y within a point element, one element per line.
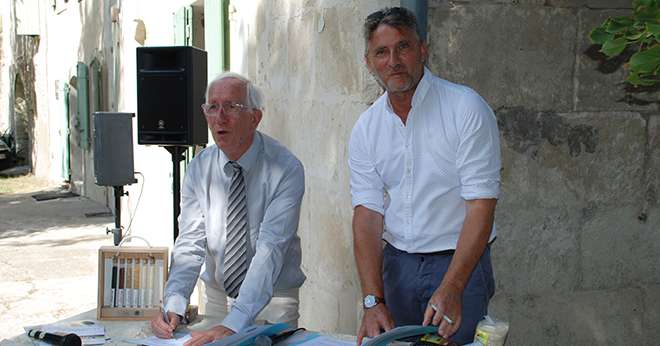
<point>161,328</point>
<point>373,321</point>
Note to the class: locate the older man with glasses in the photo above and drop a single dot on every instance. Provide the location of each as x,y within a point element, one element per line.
<point>240,205</point>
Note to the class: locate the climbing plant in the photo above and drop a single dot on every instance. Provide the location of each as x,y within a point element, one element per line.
<point>641,32</point>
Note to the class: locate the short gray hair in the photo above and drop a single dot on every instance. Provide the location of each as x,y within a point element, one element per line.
<point>398,17</point>
<point>253,98</point>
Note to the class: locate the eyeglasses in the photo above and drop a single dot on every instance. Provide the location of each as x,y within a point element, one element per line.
<point>230,108</point>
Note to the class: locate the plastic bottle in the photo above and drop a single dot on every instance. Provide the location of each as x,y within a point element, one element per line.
<point>491,332</point>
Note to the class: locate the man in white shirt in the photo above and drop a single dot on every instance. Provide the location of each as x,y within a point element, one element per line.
<point>240,205</point>
<point>425,174</point>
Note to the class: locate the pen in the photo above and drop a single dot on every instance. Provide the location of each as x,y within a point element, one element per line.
<point>165,317</point>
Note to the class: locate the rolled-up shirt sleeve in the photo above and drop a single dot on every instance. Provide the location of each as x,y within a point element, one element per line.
<point>278,228</point>
<point>367,188</point>
<point>478,157</point>
<point>189,250</point>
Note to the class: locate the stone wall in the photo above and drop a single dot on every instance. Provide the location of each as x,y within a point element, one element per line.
<point>578,248</point>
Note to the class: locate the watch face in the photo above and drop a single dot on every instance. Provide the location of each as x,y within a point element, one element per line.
<point>369,301</point>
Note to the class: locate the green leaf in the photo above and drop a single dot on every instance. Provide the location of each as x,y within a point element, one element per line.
<point>654,29</point>
<point>618,24</point>
<point>645,61</point>
<point>600,36</point>
<point>642,3</point>
<point>636,80</point>
<point>614,47</point>
<point>634,36</point>
<point>647,13</point>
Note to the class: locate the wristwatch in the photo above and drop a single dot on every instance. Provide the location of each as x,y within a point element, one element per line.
<point>370,300</point>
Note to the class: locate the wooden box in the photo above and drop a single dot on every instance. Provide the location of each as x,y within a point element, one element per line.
<point>131,282</point>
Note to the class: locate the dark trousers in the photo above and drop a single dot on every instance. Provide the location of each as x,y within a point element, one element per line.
<point>410,280</point>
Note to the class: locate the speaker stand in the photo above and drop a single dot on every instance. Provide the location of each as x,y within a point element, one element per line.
<point>178,154</point>
<point>116,232</point>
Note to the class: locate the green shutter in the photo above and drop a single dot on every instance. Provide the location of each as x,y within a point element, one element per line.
<point>216,35</point>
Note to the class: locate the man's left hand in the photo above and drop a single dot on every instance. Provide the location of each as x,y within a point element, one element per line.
<point>444,309</point>
<point>215,333</point>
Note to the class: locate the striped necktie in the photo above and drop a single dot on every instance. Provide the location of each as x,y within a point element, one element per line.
<point>237,228</point>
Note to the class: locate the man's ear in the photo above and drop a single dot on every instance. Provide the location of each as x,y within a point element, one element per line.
<point>256,117</point>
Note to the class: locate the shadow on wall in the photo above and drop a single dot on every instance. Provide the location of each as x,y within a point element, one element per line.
<point>635,96</point>
<point>524,131</point>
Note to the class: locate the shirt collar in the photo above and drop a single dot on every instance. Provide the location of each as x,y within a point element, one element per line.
<point>248,159</point>
<point>422,88</point>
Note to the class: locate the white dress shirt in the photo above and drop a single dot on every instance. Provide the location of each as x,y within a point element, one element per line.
<point>418,175</point>
<point>275,185</point>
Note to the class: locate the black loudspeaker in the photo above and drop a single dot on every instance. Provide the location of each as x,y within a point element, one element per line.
<point>113,149</point>
<point>171,82</point>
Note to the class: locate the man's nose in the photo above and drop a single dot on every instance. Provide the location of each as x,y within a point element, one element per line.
<point>222,116</point>
<point>394,61</point>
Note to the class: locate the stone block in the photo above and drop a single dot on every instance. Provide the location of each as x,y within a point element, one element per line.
<point>512,56</point>
<point>651,314</point>
<point>536,251</point>
<point>582,160</point>
<point>613,4</point>
<point>599,317</point>
<point>617,250</point>
<point>652,164</point>
<point>592,4</point>
<point>600,81</point>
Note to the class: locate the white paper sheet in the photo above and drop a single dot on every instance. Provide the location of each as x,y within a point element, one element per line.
<point>179,339</point>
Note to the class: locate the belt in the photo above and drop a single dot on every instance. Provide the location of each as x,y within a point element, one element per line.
<point>448,252</point>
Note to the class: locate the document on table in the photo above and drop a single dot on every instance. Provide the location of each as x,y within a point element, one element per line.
<point>179,339</point>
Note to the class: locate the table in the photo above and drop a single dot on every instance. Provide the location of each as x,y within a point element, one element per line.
<point>122,330</point>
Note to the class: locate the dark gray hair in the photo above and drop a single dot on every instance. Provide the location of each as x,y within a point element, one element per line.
<point>399,17</point>
<point>253,96</point>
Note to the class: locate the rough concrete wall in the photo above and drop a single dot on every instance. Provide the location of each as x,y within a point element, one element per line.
<point>579,241</point>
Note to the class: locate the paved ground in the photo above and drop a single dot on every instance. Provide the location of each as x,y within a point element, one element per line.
<point>48,259</point>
